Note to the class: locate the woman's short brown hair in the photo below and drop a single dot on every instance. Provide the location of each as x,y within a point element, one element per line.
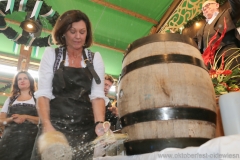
<point>64,23</point>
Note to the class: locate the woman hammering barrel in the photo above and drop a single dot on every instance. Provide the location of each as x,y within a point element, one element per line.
<point>70,98</point>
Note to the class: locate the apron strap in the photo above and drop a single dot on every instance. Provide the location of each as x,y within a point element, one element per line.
<point>91,68</point>
<point>59,52</point>
<point>12,99</point>
<point>63,51</point>
<point>90,56</point>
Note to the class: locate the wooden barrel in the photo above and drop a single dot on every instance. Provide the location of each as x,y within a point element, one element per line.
<point>165,95</point>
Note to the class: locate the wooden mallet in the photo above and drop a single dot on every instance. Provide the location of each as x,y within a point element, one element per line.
<point>54,146</point>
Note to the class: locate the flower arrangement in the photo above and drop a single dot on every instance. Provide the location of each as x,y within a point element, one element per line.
<point>225,77</point>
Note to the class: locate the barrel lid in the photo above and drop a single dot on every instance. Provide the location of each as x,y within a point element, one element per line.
<point>160,38</point>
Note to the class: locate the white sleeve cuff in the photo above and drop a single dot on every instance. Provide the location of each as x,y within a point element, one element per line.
<point>44,93</point>
<point>5,106</point>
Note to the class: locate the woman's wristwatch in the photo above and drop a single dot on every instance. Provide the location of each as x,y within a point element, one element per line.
<point>6,121</point>
<point>98,123</point>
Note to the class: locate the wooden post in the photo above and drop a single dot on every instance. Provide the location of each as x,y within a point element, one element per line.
<point>24,58</point>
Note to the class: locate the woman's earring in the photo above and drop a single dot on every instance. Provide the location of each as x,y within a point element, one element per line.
<point>63,36</point>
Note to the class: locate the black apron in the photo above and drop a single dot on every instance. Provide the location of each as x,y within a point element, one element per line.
<point>71,110</point>
<point>18,139</point>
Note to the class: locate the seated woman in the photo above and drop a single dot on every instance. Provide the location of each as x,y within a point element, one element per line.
<point>19,116</point>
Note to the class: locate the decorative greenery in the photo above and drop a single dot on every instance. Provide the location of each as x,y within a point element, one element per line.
<point>200,16</point>
<point>224,79</point>
<point>195,19</point>
<point>11,33</point>
<point>5,87</point>
<point>221,2</point>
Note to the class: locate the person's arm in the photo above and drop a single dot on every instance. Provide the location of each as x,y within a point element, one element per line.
<point>97,91</point>
<point>20,118</point>
<point>97,94</point>
<point>32,119</point>
<point>4,120</point>
<point>44,93</point>
<point>3,115</point>
<point>43,112</point>
<point>114,110</point>
<point>98,106</point>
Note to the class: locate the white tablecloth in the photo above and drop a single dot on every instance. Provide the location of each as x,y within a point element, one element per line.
<point>221,148</point>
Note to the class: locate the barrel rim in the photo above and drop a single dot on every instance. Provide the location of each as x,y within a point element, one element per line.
<point>174,113</point>
<point>143,146</point>
<point>158,38</point>
<point>163,58</point>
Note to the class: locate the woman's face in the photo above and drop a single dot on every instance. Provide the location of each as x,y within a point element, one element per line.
<point>76,36</point>
<point>23,81</point>
<point>107,85</point>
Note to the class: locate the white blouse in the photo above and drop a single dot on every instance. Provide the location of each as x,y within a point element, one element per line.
<point>6,103</point>
<point>46,74</point>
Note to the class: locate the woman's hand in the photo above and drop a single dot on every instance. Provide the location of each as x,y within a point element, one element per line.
<point>18,118</point>
<point>102,128</point>
<point>114,110</point>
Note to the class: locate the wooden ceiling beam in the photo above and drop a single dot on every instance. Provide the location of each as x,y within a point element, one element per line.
<point>12,58</point>
<point>13,61</point>
<point>126,11</point>
<point>4,94</point>
<point>166,16</point>
<point>24,58</point>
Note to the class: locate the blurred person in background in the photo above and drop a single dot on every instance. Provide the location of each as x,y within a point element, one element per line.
<point>111,108</point>
<point>20,119</point>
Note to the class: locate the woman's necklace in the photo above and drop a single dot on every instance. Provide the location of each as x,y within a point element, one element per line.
<point>74,60</point>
